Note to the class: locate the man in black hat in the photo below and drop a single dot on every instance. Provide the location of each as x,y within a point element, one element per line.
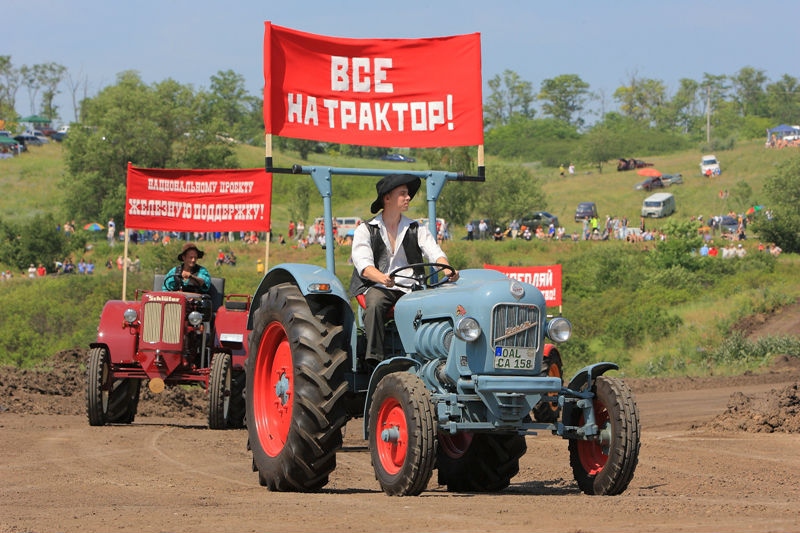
<point>381,245</point>
<point>193,277</point>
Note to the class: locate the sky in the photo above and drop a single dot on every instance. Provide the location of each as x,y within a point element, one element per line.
<point>605,43</point>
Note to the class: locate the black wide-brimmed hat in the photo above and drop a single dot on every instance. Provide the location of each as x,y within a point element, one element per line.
<point>391,182</point>
<point>190,246</point>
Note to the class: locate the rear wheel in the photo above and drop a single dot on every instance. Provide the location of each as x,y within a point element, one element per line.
<point>544,411</point>
<point>108,400</point>
<point>295,390</point>
<point>605,466</point>
<point>225,400</point>
<point>479,462</point>
<point>402,434</point>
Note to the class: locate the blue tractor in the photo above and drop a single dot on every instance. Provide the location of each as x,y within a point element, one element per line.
<point>469,372</point>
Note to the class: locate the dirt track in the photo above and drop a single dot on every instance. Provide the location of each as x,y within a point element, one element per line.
<point>718,454</point>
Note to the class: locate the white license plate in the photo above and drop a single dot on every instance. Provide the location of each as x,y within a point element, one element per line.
<point>514,358</point>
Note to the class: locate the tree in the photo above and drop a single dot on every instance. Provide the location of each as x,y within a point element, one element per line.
<point>783,197</point>
<point>748,91</point>
<point>564,98</point>
<point>50,77</point>
<point>510,192</point>
<point>783,99</point>
<point>510,97</point>
<point>158,126</point>
<point>600,145</point>
<point>457,199</point>
<point>641,98</point>
<point>9,83</point>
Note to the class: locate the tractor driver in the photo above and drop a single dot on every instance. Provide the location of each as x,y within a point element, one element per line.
<point>193,277</point>
<point>383,244</point>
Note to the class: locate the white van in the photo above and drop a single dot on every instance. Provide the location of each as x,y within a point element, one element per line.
<point>660,204</point>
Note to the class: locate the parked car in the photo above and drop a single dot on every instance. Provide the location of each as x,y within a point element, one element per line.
<point>709,166</point>
<point>398,157</point>
<point>585,210</point>
<point>672,179</point>
<point>540,218</point>
<point>649,184</point>
<point>728,224</point>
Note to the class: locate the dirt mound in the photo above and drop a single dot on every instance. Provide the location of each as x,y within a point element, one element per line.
<point>58,386</point>
<point>777,411</point>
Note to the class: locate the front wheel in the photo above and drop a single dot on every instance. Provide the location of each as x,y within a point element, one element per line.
<point>295,391</point>
<point>605,465</point>
<point>545,411</point>
<point>225,400</point>
<point>402,434</point>
<point>108,400</point>
<point>479,462</point>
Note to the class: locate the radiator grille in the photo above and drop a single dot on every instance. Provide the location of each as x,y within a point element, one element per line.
<point>163,322</point>
<point>515,325</point>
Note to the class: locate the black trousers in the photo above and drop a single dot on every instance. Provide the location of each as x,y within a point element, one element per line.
<point>378,302</point>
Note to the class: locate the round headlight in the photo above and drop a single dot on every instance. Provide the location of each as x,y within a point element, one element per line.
<point>559,329</point>
<point>468,329</point>
<point>130,315</point>
<point>195,318</point>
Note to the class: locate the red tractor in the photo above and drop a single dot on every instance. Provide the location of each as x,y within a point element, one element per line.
<point>170,338</point>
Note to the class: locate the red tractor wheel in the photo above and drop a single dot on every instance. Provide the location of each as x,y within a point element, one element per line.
<point>295,390</point>
<point>605,465</point>
<point>402,434</point>
<point>108,400</point>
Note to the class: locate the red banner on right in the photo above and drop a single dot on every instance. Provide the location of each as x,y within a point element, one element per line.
<point>545,278</point>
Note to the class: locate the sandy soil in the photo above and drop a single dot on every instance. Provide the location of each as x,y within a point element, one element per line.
<point>718,454</point>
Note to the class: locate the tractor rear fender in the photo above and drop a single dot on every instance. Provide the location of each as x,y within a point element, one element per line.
<point>312,280</point>
<point>113,334</point>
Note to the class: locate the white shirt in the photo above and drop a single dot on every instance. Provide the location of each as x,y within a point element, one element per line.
<point>362,250</point>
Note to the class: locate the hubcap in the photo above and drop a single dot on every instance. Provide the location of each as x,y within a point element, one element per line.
<point>273,389</point>
<point>392,426</point>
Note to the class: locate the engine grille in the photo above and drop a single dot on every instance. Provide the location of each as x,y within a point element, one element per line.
<point>515,325</point>
<point>163,322</point>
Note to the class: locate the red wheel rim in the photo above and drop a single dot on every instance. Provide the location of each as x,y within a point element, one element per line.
<point>455,446</point>
<point>391,421</point>
<point>273,389</point>
<point>593,454</point>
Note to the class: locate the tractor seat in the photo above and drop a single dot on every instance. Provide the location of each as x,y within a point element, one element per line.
<point>362,303</point>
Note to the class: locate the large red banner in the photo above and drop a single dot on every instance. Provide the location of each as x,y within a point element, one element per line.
<point>198,200</point>
<point>546,278</point>
<point>419,93</point>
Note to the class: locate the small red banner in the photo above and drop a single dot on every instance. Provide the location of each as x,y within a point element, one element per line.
<point>198,200</point>
<point>419,93</point>
<point>546,278</point>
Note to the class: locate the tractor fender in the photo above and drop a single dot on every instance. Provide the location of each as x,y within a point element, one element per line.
<point>395,364</point>
<point>587,375</point>
<point>305,277</point>
<point>231,334</point>
<point>114,335</point>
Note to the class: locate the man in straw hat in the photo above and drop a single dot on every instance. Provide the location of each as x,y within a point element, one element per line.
<point>381,245</point>
<point>188,276</point>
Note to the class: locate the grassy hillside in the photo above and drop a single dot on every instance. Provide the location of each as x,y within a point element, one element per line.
<point>652,322</point>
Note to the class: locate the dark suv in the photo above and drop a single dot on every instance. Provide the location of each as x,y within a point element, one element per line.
<point>585,210</point>
<point>540,218</point>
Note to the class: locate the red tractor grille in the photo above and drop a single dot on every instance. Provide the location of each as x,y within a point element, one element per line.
<point>163,322</point>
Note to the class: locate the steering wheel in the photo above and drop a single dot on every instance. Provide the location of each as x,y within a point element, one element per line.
<point>425,280</point>
<point>180,287</point>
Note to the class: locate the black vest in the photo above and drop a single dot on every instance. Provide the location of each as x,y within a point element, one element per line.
<point>380,253</point>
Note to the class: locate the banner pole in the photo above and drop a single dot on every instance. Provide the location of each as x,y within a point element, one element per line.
<point>481,163</point>
<point>125,266</point>
<point>269,165</point>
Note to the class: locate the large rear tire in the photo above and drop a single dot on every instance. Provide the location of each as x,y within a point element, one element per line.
<point>295,390</point>
<point>225,400</point>
<point>402,434</point>
<point>605,466</point>
<point>479,462</point>
<point>109,401</point>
